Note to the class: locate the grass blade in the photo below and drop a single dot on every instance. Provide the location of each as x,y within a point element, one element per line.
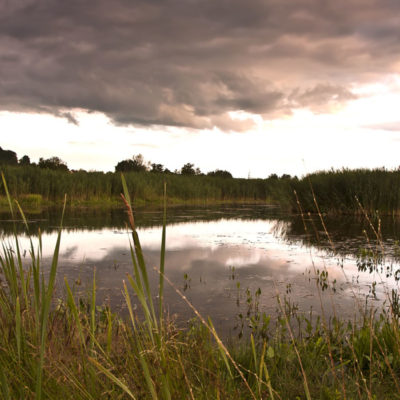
<point>112,377</point>
<point>4,384</point>
<point>93,310</point>
<point>75,313</point>
<point>221,348</point>
<point>139,255</point>
<point>18,328</point>
<point>162,254</point>
<point>46,302</point>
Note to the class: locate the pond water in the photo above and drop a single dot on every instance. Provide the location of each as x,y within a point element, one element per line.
<point>220,257</point>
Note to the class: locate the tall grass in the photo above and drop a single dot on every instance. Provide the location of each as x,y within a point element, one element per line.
<point>54,348</point>
<point>337,191</point>
<point>146,187</point>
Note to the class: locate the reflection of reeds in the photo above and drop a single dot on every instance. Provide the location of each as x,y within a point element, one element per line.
<point>74,350</point>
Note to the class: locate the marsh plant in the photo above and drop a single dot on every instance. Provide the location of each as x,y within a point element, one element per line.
<point>53,348</point>
<point>97,188</point>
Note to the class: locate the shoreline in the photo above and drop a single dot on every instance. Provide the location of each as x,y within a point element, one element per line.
<point>117,203</point>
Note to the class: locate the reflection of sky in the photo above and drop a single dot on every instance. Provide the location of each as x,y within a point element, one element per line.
<point>207,252</point>
<point>256,235</point>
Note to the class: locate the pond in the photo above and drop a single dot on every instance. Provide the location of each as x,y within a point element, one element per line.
<point>227,260</point>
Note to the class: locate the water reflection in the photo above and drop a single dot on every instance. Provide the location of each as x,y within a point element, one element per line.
<point>210,251</point>
<point>348,233</point>
<point>98,218</point>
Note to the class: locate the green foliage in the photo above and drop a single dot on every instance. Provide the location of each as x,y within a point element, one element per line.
<point>157,168</point>
<point>53,163</point>
<point>31,200</point>
<point>145,187</point>
<point>220,173</point>
<point>135,164</point>
<point>25,160</point>
<point>188,169</point>
<point>343,191</point>
<point>8,157</point>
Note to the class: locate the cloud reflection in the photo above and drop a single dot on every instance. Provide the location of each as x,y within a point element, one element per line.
<point>209,259</point>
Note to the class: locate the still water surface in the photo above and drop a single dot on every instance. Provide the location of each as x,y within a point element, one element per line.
<point>219,256</point>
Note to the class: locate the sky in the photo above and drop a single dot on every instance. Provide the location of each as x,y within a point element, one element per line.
<point>254,87</point>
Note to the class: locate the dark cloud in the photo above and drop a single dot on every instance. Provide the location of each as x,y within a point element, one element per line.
<point>70,117</point>
<point>322,98</point>
<point>191,63</point>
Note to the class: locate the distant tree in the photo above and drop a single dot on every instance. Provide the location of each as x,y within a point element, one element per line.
<point>54,163</point>
<point>138,160</point>
<point>273,176</point>
<point>286,176</point>
<point>125,166</point>
<point>135,164</point>
<point>220,173</point>
<point>8,157</point>
<point>188,169</point>
<point>158,168</point>
<point>25,160</point>
<point>167,171</point>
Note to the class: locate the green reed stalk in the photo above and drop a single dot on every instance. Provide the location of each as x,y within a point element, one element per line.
<point>47,295</point>
<point>93,312</point>
<point>141,287</point>
<point>18,328</point>
<point>162,254</point>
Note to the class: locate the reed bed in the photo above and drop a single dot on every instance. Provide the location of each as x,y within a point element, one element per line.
<point>342,191</point>
<point>52,348</point>
<point>146,187</point>
<point>336,191</point>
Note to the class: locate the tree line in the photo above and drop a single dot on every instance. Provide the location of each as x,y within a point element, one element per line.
<point>51,179</point>
<point>135,164</point>
<point>9,157</point>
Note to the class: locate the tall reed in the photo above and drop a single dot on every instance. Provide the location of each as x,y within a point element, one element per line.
<point>146,187</point>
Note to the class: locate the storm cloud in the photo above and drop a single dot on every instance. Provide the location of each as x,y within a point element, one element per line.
<point>192,63</point>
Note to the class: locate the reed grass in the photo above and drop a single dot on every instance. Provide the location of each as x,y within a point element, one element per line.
<point>71,349</point>
<point>336,191</point>
<point>146,188</point>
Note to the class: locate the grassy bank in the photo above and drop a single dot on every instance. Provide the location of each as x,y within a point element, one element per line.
<point>54,346</point>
